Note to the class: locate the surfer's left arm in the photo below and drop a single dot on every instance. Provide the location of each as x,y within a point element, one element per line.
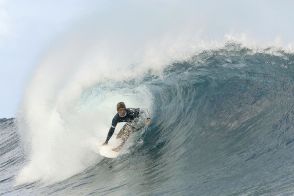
<point>111,130</point>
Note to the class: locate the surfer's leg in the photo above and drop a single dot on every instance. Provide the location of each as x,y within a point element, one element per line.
<point>123,134</point>
<point>120,146</point>
<point>138,124</point>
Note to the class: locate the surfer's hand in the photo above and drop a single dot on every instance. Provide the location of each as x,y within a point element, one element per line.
<point>105,143</point>
<point>148,121</point>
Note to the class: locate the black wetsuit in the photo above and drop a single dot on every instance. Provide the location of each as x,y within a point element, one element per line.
<point>131,114</point>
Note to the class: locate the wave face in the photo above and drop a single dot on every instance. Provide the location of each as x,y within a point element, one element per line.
<point>223,124</point>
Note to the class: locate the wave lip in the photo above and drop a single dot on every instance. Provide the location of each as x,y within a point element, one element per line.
<point>222,124</point>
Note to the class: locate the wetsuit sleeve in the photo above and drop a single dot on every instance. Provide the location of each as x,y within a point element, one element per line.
<point>136,112</point>
<point>112,128</point>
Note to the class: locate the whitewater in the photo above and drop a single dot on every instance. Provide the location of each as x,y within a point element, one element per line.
<point>222,112</point>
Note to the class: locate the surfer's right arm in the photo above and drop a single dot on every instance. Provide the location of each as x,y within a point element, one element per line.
<point>112,128</point>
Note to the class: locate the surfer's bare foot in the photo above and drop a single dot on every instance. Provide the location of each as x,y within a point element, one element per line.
<point>116,149</point>
<point>147,121</point>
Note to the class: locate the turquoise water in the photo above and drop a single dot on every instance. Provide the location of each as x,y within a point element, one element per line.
<point>223,124</point>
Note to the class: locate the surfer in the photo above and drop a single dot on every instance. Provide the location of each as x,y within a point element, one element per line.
<point>135,119</point>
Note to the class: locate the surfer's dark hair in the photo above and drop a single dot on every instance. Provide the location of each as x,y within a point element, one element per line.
<point>120,105</point>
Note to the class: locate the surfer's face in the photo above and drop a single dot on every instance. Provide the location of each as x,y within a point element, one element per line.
<point>121,112</point>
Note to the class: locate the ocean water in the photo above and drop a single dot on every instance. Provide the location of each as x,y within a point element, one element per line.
<point>222,124</point>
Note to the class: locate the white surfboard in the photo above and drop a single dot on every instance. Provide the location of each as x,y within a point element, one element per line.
<point>110,150</point>
<point>113,149</point>
<point>107,151</point>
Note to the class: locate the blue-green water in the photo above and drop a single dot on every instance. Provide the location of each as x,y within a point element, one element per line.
<point>223,124</point>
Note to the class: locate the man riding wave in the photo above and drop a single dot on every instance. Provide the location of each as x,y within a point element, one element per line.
<point>135,119</point>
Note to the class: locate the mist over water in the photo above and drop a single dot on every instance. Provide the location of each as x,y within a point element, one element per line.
<point>220,93</point>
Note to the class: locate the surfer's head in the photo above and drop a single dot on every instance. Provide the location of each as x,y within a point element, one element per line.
<point>121,109</point>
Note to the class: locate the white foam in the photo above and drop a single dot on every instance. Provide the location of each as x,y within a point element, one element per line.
<point>60,128</point>
<point>107,151</point>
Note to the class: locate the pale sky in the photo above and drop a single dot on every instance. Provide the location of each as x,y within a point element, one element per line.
<point>28,28</point>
